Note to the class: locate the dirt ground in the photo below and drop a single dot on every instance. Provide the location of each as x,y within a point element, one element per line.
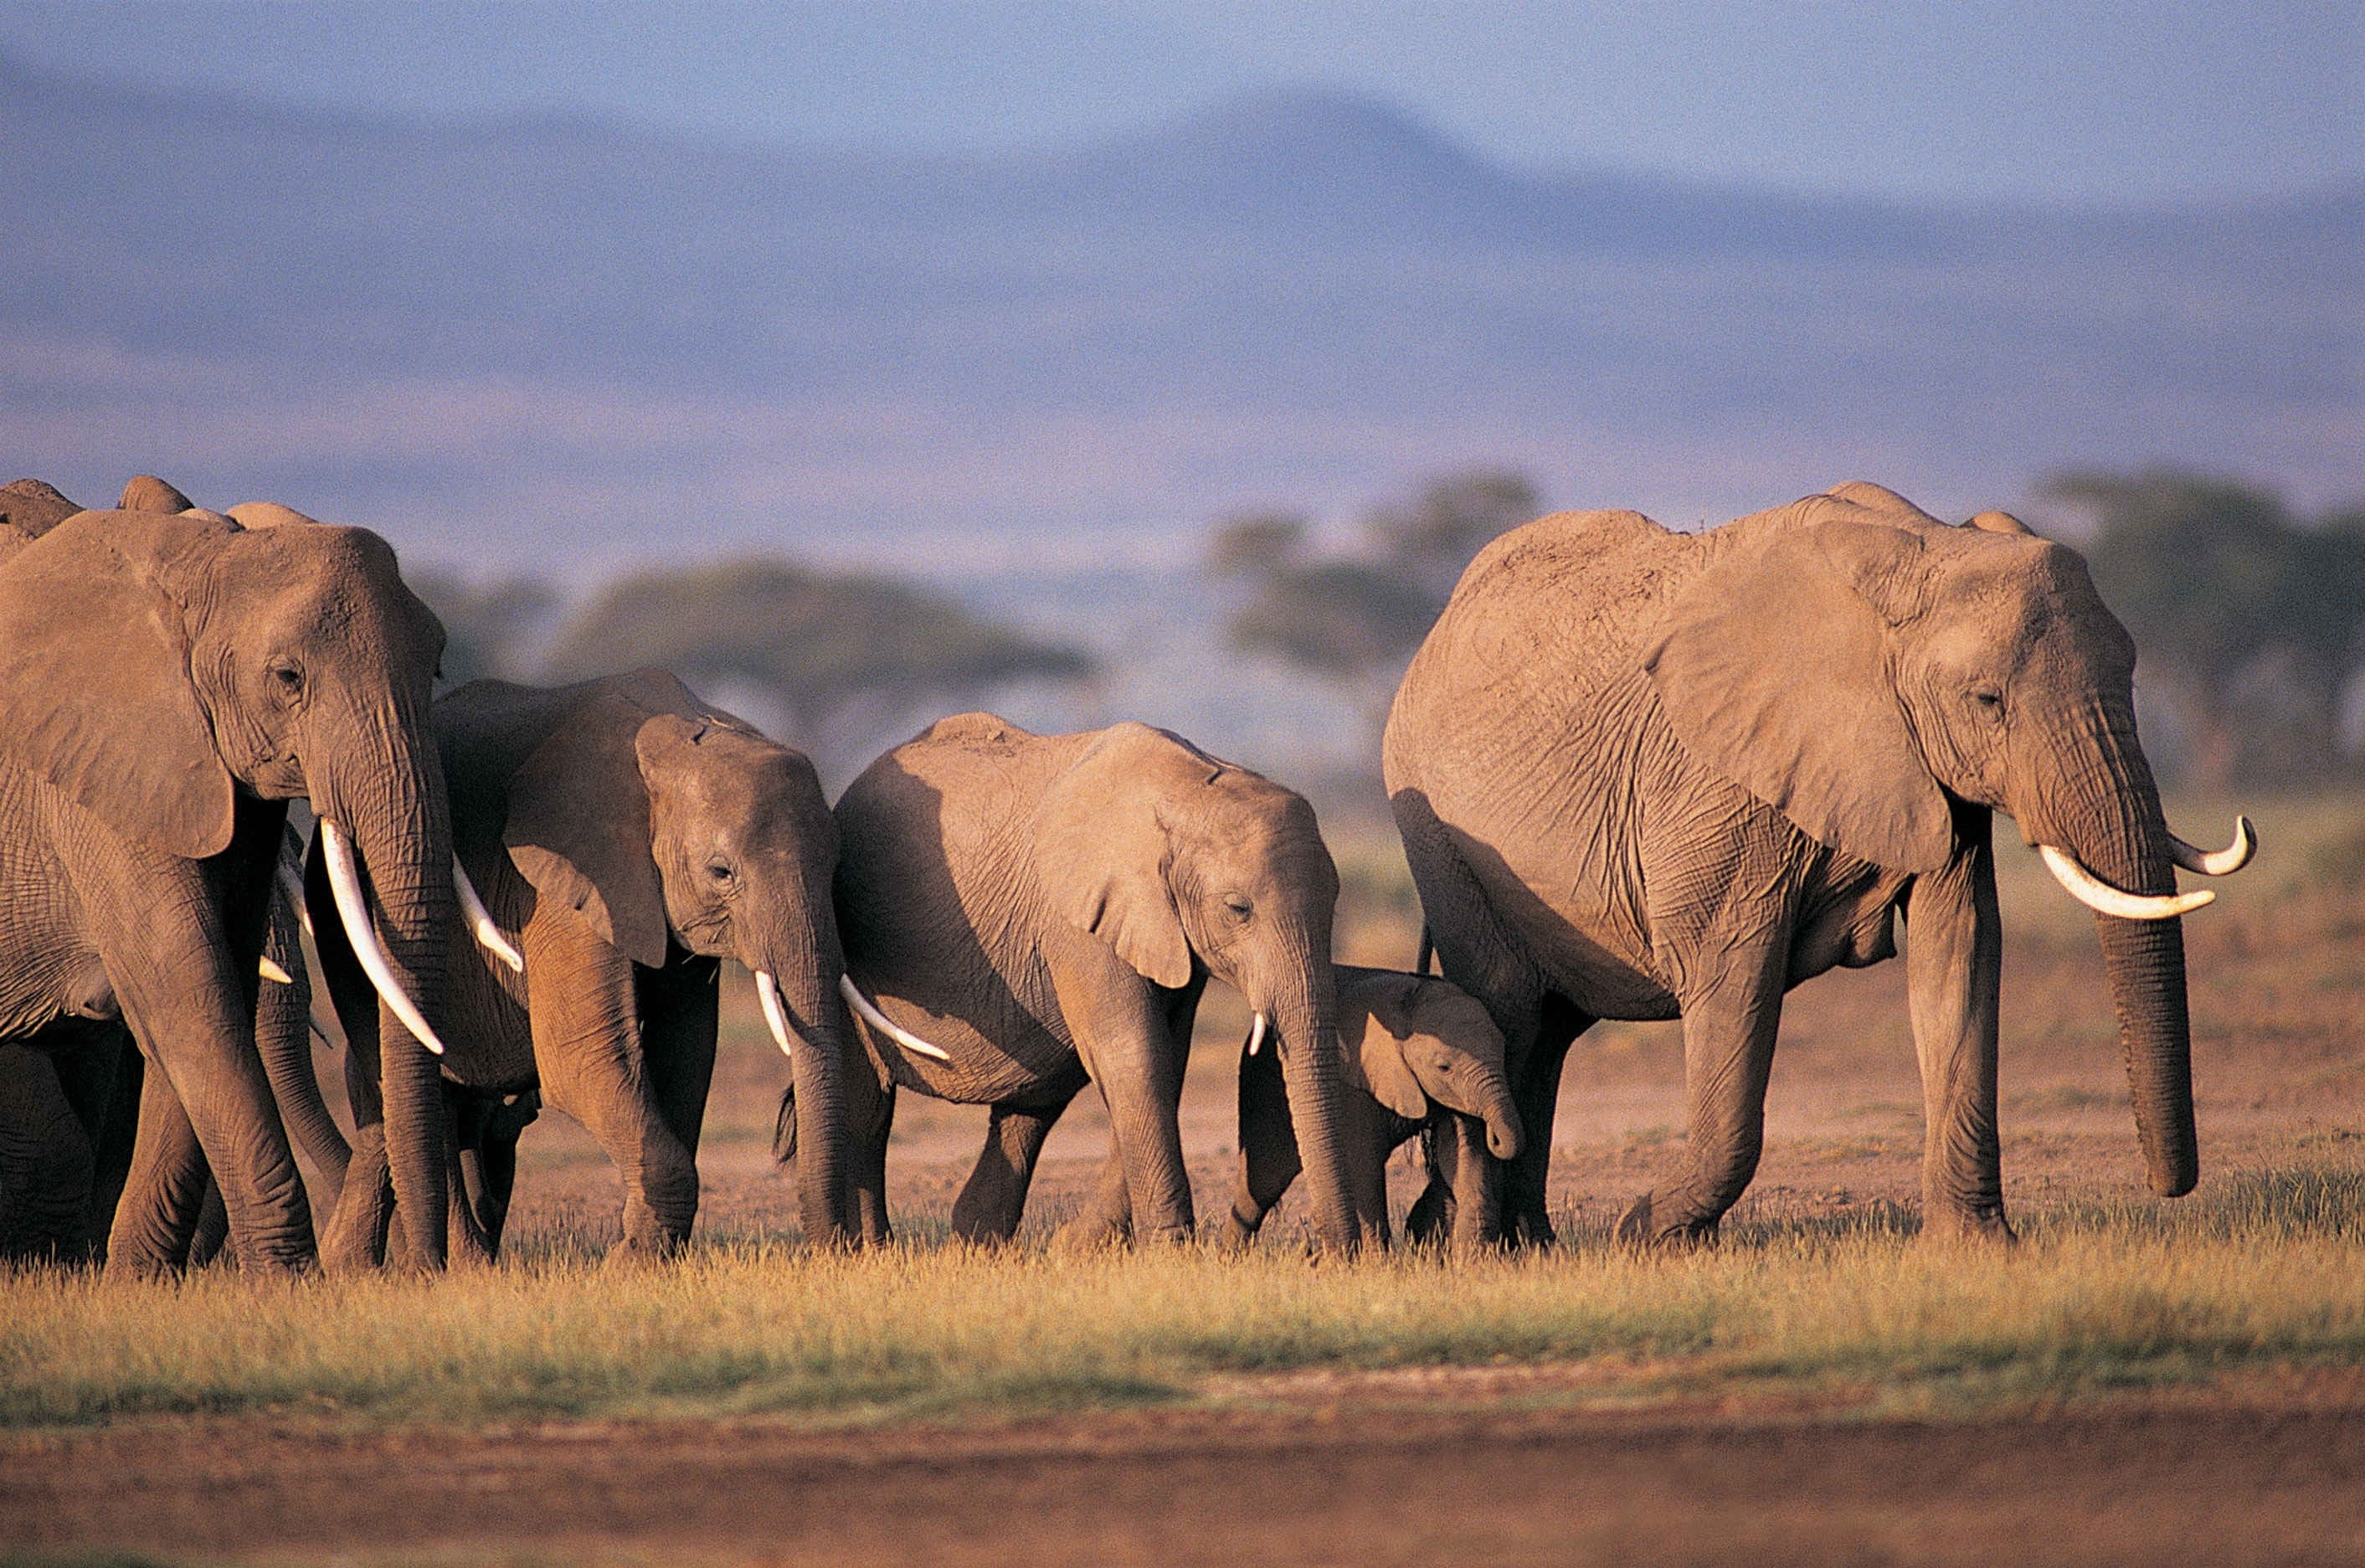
<point>1484,1466</point>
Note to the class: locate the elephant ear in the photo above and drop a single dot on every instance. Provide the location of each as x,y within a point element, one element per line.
<point>1386,1003</point>
<point>579,826</point>
<point>1101,849</point>
<point>95,695</point>
<point>1773,666</point>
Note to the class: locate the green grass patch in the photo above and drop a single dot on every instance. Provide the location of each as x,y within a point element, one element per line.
<point>2259,1271</point>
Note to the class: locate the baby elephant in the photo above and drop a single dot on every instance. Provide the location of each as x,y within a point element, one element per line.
<point>1418,1050</point>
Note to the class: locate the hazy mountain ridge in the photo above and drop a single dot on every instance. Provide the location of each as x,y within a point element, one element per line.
<point>1303,294</point>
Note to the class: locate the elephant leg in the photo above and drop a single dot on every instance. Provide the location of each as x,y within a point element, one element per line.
<point>1954,961</point>
<point>588,1048</point>
<point>165,1192</point>
<point>1123,1028</point>
<point>46,1160</point>
<point>993,1199</point>
<point>871,1124</point>
<point>356,1234</point>
<point>1269,1157</point>
<point>1524,1182</point>
<point>213,1227</point>
<point>1730,1023</point>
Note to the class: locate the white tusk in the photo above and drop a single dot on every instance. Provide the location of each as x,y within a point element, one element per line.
<point>2220,863</point>
<point>884,1024</point>
<point>481,922</point>
<point>346,882</point>
<point>292,890</point>
<point>274,974</point>
<point>2104,899</point>
<point>768,994</point>
<point>1256,1035</point>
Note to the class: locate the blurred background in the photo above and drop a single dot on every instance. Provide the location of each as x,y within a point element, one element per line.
<point>863,361</point>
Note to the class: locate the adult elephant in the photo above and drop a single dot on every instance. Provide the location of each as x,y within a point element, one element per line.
<point>1023,913</point>
<point>631,837</point>
<point>1642,774</point>
<point>1420,1052</point>
<point>169,680</point>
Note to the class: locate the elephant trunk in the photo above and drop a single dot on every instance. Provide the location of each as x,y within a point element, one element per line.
<point>1305,1017</point>
<point>2114,830</point>
<point>400,826</point>
<point>284,1035</point>
<point>808,1021</point>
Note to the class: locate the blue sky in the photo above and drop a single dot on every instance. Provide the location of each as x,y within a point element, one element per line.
<point>2046,100</point>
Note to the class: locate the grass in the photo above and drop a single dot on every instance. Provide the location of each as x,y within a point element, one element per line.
<point>2260,1273</point>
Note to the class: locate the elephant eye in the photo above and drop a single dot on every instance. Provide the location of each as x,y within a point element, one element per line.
<point>720,873</point>
<point>1988,697</point>
<point>288,676</point>
<point>1238,904</point>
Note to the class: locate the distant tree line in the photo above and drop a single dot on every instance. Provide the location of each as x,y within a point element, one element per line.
<point>1355,618</point>
<point>813,643</point>
<point>2247,617</point>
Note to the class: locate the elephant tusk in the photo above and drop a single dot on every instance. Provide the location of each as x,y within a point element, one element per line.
<point>274,973</point>
<point>884,1024</point>
<point>481,922</point>
<point>291,888</point>
<point>2219,863</point>
<point>2104,899</point>
<point>352,908</point>
<point>774,1016</point>
<point>1256,1035</point>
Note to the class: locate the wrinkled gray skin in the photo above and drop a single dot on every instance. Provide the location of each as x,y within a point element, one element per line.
<point>1046,909</point>
<point>1641,774</point>
<point>628,837</point>
<point>169,681</point>
<point>1418,1051</point>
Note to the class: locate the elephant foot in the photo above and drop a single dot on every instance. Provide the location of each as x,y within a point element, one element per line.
<point>1634,1224</point>
<point>1949,1227</point>
<point>1087,1234</point>
<point>1430,1220</point>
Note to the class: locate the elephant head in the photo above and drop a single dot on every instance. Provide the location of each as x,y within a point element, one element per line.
<point>1868,670</point>
<point>662,821</point>
<point>156,665</point>
<point>1174,859</point>
<point>1425,1043</point>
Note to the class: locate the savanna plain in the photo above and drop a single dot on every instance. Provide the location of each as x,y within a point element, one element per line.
<point>2169,1382</point>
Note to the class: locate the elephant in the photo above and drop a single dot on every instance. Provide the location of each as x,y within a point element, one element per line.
<point>632,837</point>
<point>169,680</point>
<point>1422,1051</point>
<point>1025,914</point>
<point>1641,774</point>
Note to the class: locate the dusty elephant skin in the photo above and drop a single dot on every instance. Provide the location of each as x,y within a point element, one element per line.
<point>631,836</point>
<point>1043,910</point>
<point>170,679</point>
<point>1417,1051</point>
<point>1641,774</point>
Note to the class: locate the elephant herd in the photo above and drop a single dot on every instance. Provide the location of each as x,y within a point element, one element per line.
<point>1639,774</point>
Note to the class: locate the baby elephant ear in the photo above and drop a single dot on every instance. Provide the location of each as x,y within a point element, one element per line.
<point>95,695</point>
<point>1773,669</point>
<point>578,827</point>
<point>1375,1019</point>
<point>1101,849</point>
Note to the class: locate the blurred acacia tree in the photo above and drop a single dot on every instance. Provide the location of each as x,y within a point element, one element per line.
<point>814,642</point>
<point>1355,620</point>
<point>2248,619</point>
<point>487,626</point>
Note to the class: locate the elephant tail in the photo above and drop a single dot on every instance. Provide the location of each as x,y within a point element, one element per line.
<point>1427,950</point>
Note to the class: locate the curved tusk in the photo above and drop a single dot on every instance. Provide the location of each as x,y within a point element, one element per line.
<point>2104,899</point>
<point>884,1024</point>
<point>1256,1035</point>
<point>2220,863</point>
<point>291,888</point>
<point>346,882</point>
<point>774,1016</point>
<point>481,921</point>
<point>274,974</point>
